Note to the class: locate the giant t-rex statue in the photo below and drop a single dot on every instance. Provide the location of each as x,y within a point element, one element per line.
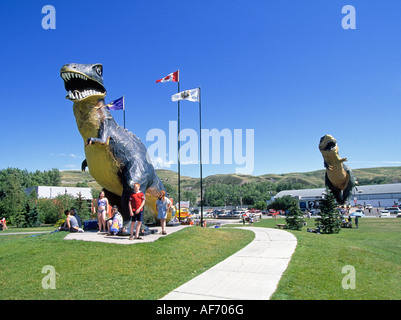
<point>116,158</point>
<point>339,178</point>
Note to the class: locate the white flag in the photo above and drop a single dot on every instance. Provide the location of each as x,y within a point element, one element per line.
<point>190,95</point>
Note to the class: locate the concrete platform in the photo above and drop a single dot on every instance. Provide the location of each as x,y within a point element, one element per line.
<point>101,237</point>
<point>252,273</point>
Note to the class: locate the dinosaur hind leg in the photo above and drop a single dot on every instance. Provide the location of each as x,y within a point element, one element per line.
<point>114,200</point>
<point>124,208</point>
<point>338,194</point>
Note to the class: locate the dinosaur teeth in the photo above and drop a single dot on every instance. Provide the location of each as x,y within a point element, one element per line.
<point>69,75</point>
<point>75,95</point>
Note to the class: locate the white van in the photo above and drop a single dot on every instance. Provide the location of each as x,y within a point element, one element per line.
<point>393,210</point>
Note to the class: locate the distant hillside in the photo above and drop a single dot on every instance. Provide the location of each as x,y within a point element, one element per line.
<point>313,179</point>
<point>71,178</point>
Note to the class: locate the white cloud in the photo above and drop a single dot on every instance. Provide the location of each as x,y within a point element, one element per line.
<point>159,163</point>
<point>75,156</point>
<point>71,155</point>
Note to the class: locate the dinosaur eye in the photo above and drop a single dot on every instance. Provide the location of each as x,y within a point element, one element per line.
<point>99,70</point>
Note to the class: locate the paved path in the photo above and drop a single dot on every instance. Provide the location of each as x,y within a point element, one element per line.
<point>250,274</point>
<point>17,233</point>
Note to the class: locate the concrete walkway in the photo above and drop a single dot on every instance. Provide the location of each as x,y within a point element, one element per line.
<point>250,274</point>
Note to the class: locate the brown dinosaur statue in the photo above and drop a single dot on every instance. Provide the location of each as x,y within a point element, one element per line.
<point>339,178</point>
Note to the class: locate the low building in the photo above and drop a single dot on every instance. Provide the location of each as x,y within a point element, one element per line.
<point>52,192</point>
<point>379,195</point>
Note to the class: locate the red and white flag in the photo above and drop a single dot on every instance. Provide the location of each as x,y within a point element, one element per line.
<point>171,77</point>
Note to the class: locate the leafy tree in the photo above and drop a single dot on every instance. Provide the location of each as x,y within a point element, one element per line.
<point>13,201</point>
<point>260,205</point>
<point>171,191</point>
<point>330,220</point>
<point>51,210</point>
<point>283,203</point>
<point>189,196</point>
<point>47,211</point>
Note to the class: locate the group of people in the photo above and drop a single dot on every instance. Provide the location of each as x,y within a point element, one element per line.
<point>72,221</point>
<point>347,223</point>
<point>136,205</point>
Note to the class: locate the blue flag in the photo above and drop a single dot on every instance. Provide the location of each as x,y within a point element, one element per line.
<point>116,104</point>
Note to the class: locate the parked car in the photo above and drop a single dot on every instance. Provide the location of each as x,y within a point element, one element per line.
<point>384,213</point>
<point>369,206</point>
<point>393,210</point>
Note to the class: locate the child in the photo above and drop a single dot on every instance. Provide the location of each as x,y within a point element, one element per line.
<point>135,205</point>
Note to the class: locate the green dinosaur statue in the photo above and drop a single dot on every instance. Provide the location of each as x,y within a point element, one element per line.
<point>339,178</point>
<point>116,158</point>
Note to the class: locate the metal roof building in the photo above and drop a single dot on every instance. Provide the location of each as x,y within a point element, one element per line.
<point>52,192</point>
<point>382,195</point>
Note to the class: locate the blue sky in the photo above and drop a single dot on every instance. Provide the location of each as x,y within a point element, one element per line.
<point>285,69</point>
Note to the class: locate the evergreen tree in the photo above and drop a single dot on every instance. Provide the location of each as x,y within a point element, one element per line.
<point>330,220</point>
<point>294,218</point>
<point>31,218</point>
<point>82,207</point>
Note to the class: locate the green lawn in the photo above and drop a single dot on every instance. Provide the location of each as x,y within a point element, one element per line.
<point>315,270</point>
<point>88,270</point>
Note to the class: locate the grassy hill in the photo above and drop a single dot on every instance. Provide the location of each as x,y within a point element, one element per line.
<point>313,179</point>
<point>71,178</point>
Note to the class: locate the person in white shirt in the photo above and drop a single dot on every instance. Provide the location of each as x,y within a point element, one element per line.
<point>163,205</point>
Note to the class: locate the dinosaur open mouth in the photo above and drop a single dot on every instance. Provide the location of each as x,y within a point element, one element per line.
<point>79,86</point>
<point>329,146</point>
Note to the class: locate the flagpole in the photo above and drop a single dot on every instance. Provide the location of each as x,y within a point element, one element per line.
<point>124,109</point>
<point>178,153</point>
<point>200,154</point>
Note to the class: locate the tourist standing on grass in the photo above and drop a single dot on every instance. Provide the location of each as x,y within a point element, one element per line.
<point>349,221</point>
<point>102,207</point>
<point>356,221</point>
<point>163,205</point>
<point>135,205</point>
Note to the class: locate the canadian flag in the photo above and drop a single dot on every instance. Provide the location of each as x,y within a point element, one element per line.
<point>171,77</point>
